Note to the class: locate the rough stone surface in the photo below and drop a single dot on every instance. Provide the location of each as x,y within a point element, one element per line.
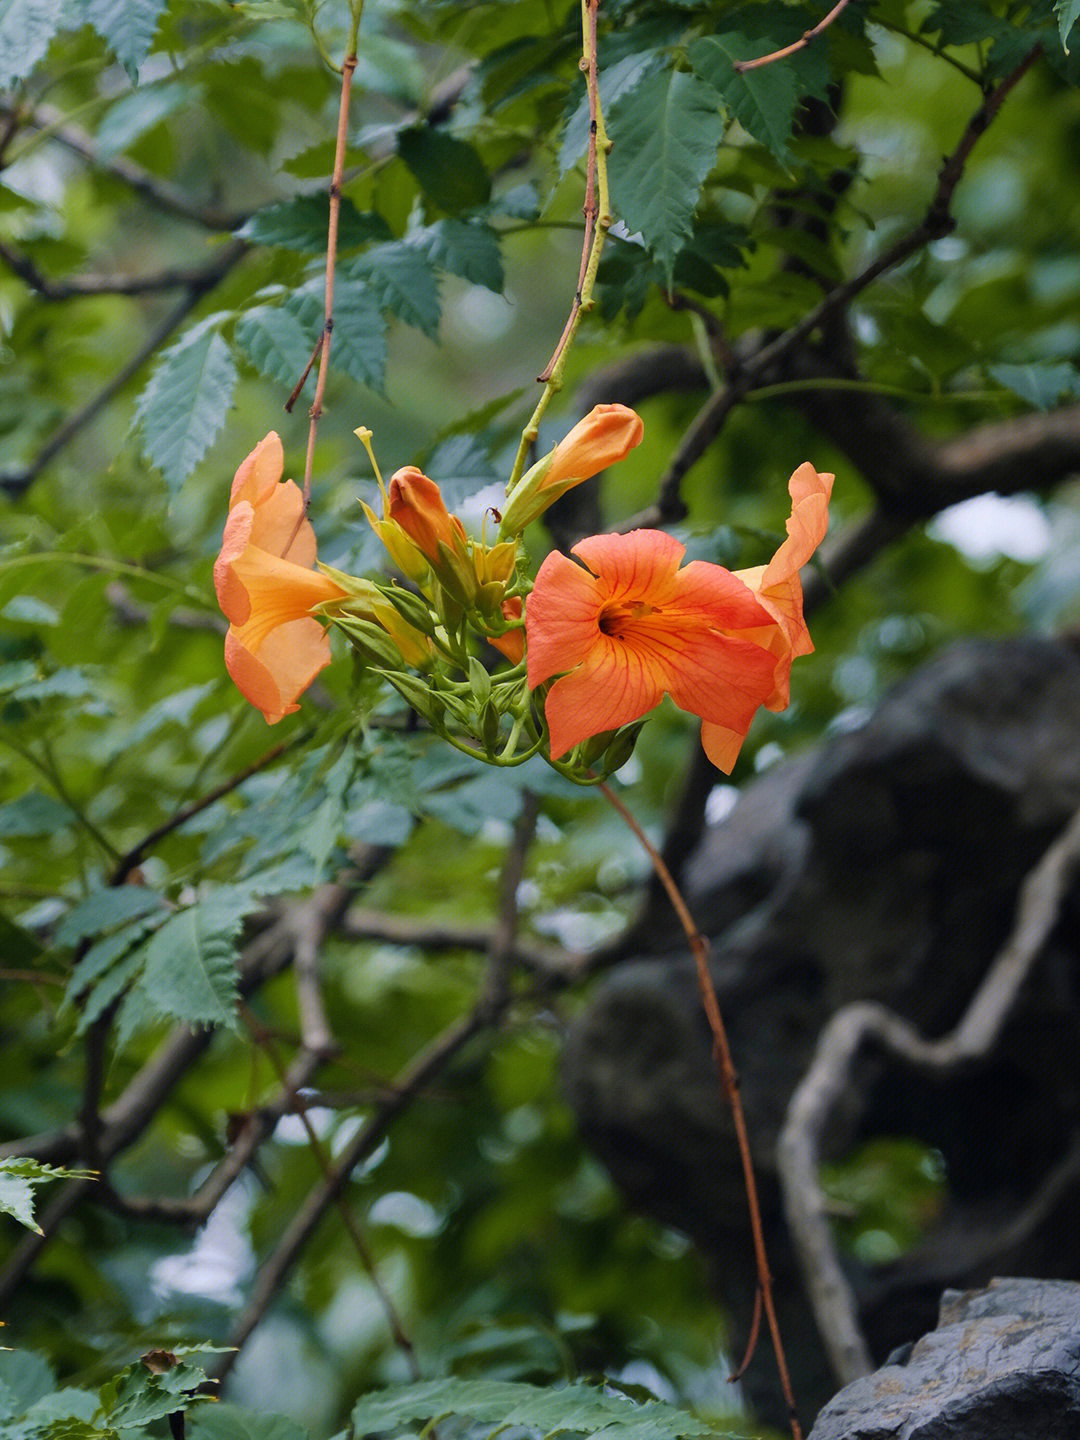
<point>884,865</point>
<point>1003,1364</point>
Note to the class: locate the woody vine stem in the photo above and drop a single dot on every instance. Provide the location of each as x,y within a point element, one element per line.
<point>729,1080</point>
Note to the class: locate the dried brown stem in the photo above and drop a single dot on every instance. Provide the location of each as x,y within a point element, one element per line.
<point>316,352</point>
<point>729,1079</point>
<point>739,66</point>
<point>336,179</point>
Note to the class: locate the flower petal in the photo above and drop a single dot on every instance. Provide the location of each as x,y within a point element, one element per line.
<point>271,677</point>
<point>637,566</point>
<point>231,594</point>
<point>613,685</point>
<point>259,472</point>
<point>719,596</point>
<point>278,592</point>
<point>722,745</point>
<point>780,589</point>
<point>562,617</point>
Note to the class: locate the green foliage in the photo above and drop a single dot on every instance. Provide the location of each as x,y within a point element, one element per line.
<point>162,1383</point>
<point>126,26</point>
<point>182,407</point>
<point>449,171</point>
<point>18,1176</point>
<point>580,1409</point>
<point>25,33</point>
<point>667,126</point>
<point>762,101</point>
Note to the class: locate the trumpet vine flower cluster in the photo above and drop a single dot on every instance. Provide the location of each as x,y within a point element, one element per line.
<point>591,645</point>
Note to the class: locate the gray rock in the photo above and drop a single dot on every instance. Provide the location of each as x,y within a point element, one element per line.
<point>1003,1364</point>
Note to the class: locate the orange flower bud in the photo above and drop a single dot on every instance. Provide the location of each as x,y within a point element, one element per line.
<point>416,504</point>
<point>607,434</point>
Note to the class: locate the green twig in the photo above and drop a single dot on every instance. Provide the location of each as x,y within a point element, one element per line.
<point>597,209</point>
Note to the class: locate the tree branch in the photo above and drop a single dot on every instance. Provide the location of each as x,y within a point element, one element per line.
<point>123,1122</point>
<point>828,1083</point>
<point>17,482</point>
<point>171,278</point>
<point>937,221</point>
<point>162,194</point>
<point>491,1005</point>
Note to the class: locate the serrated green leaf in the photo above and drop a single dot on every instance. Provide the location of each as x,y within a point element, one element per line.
<point>190,962</point>
<point>99,959</point>
<point>61,1408</point>
<point>616,80</point>
<point>138,1396</point>
<point>402,280</point>
<point>275,342</point>
<point>18,1176</point>
<point>449,171</point>
<point>359,343</point>
<point>301,224</point>
<point>666,133</point>
<point>128,27</point>
<point>323,830</point>
<point>17,1200</point>
<point>183,406</point>
<point>25,34</point>
<point>763,101</point>
<point>110,987</point>
<point>105,908</point>
<point>467,248</point>
<point>1067,12</point>
<point>231,1422</point>
<point>581,1408</point>
<point>359,346</point>
<point>1041,385</point>
<point>25,1377</point>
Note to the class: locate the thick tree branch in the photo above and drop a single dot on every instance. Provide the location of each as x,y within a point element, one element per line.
<point>828,1082</point>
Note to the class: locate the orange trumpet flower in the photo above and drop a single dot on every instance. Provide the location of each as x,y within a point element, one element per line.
<point>629,625</point>
<point>267,588</point>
